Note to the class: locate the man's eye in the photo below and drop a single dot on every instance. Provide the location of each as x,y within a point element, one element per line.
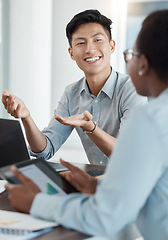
<point>80,43</point>
<point>98,39</point>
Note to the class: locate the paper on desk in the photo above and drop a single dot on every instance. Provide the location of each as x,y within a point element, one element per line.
<point>24,237</point>
<point>10,237</point>
<point>2,185</point>
<point>23,222</point>
<point>97,238</point>
<point>104,238</point>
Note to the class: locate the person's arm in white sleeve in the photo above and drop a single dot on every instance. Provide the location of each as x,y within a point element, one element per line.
<point>134,168</point>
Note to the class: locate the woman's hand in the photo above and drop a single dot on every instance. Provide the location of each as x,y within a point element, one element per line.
<point>21,195</point>
<point>82,181</point>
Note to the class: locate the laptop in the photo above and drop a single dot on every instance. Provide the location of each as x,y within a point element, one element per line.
<point>13,147</point>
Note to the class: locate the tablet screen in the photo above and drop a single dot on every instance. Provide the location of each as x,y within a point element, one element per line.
<point>43,175</point>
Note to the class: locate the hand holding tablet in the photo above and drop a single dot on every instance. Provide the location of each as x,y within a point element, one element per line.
<point>42,174</point>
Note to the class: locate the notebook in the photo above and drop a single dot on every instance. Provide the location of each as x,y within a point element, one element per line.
<point>12,143</point>
<point>15,223</point>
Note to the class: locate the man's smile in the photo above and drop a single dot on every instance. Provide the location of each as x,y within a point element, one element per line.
<point>92,59</point>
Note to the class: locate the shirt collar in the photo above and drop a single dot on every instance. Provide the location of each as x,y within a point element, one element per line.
<point>108,87</point>
<point>84,86</point>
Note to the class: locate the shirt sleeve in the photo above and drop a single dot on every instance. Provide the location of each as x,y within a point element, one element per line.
<point>56,133</point>
<point>131,175</point>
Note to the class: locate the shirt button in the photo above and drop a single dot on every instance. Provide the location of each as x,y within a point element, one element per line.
<point>101,162</point>
<point>96,101</point>
<point>95,122</point>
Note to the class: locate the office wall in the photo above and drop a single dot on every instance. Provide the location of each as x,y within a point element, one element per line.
<point>29,58</point>
<point>4,49</point>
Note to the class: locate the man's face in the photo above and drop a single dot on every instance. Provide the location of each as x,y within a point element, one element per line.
<point>91,48</point>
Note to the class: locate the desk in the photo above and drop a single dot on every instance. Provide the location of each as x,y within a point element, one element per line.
<point>93,170</point>
<point>60,233</point>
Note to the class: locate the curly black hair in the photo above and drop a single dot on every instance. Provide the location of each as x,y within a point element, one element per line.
<point>152,41</point>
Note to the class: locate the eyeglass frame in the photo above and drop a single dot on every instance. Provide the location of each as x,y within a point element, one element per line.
<point>132,53</point>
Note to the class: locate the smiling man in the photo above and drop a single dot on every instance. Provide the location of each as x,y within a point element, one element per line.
<point>106,94</point>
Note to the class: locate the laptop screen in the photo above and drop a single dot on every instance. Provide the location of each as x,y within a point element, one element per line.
<point>12,143</point>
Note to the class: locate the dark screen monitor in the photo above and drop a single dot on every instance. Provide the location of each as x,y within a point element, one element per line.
<point>12,143</point>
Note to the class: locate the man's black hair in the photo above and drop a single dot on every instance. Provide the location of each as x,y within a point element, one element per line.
<point>88,16</point>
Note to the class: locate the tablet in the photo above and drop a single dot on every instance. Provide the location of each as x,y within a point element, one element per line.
<point>42,174</point>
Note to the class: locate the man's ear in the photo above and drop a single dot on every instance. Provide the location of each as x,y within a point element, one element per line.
<point>70,50</point>
<point>112,46</point>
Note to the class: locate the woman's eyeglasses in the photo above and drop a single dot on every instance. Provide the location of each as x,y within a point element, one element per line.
<point>129,53</point>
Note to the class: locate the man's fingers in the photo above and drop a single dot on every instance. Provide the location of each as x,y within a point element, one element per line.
<point>22,178</point>
<point>88,115</point>
<point>6,92</point>
<point>8,100</point>
<point>16,110</point>
<point>65,121</point>
<point>58,117</point>
<point>18,107</point>
<point>5,97</point>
